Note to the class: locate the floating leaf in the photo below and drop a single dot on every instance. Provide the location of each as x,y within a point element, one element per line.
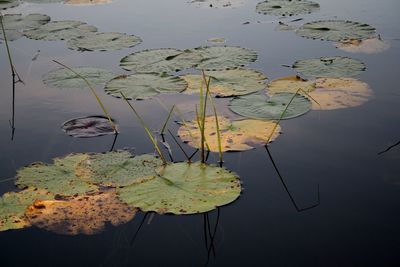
<point>235,135</point>
<point>91,126</point>
<point>4,4</point>
<point>260,106</point>
<point>64,78</point>
<point>160,60</point>
<point>336,30</point>
<point>87,2</point>
<point>290,84</point>
<point>329,67</point>
<point>227,82</point>
<point>103,41</point>
<point>86,214</point>
<point>13,206</point>
<point>286,7</point>
<point>216,40</point>
<point>218,3</point>
<point>12,35</point>
<point>337,93</point>
<point>16,24</point>
<point>118,168</point>
<point>142,86</point>
<point>60,30</point>
<point>368,46</point>
<point>58,178</point>
<point>184,188</point>
<point>224,57</point>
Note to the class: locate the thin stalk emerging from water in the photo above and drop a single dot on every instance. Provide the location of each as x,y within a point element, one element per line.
<point>166,121</point>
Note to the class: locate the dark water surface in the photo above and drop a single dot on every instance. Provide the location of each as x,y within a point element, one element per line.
<point>357,222</point>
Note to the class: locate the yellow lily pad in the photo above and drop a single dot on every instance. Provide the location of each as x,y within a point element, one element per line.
<point>235,135</point>
<point>290,84</point>
<point>368,46</point>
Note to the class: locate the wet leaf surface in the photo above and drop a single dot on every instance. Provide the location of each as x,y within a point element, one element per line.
<point>4,4</point>
<point>103,41</point>
<point>86,127</point>
<point>286,7</point>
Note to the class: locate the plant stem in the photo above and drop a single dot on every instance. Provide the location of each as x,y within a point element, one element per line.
<point>166,121</point>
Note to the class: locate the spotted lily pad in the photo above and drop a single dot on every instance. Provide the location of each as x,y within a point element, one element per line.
<point>142,86</point>
<point>64,78</point>
<point>4,4</point>
<point>286,7</point>
<point>183,188</point>
<point>87,214</point>
<point>329,67</point>
<point>118,168</point>
<point>368,46</point>
<point>336,30</point>
<point>60,30</point>
<point>160,60</point>
<point>58,178</point>
<point>338,93</point>
<point>103,41</point>
<point>234,135</point>
<point>227,82</point>
<point>260,106</point>
<point>14,204</point>
<point>290,84</point>
<point>85,127</point>
<point>224,57</point>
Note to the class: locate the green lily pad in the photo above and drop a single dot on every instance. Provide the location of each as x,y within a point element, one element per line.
<point>58,178</point>
<point>11,35</point>
<point>118,168</point>
<point>224,57</point>
<point>143,86</point>
<point>336,30</point>
<point>160,60</point>
<point>87,2</point>
<point>329,67</point>
<point>22,23</point>
<point>286,7</point>
<point>4,4</point>
<point>90,126</point>
<point>103,41</point>
<point>60,30</point>
<point>260,106</point>
<point>226,83</point>
<point>64,78</point>
<point>184,188</point>
<point>13,206</point>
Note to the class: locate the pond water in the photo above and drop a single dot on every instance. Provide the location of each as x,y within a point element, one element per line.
<point>357,221</point>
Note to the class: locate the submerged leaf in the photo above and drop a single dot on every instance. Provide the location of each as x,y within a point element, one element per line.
<point>103,41</point>
<point>260,106</point>
<point>14,204</point>
<point>184,188</point>
<point>329,67</point>
<point>91,126</point>
<point>58,178</point>
<point>160,60</point>
<point>224,57</point>
<point>235,135</point>
<point>368,46</point>
<point>336,30</point>
<point>64,78</point>
<point>142,86</point>
<point>286,7</point>
<point>118,168</point>
<point>60,30</point>
<point>227,82</point>
<point>86,214</point>
<point>290,84</point>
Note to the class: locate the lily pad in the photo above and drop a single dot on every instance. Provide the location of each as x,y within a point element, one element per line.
<point>336,30</point>
<point>24,22</point>
<point>290,84</point>
<point>4,4</point>
<point>227,82</point>
<point>184,188</point>
<point>329,67</point>
<point>118,168</point>
<point>103,41</point>
<point>287,7</point>
<point>58,178</point>
<point>87,2</point>
<point>14,204</point>
<point>86,214</point>
<point>142,86</point>
<point>368,46</point>
<point>218,3</point>
<point>160,60</point>
<point>338,93</point>
<point>64,78</point>
<point>216,40</point>
<point>60,30</point>
<point>260,106</point>
<point>235,135</point>
<point>85,127</point>
<point>11,35</point>
<point>224,57</point>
